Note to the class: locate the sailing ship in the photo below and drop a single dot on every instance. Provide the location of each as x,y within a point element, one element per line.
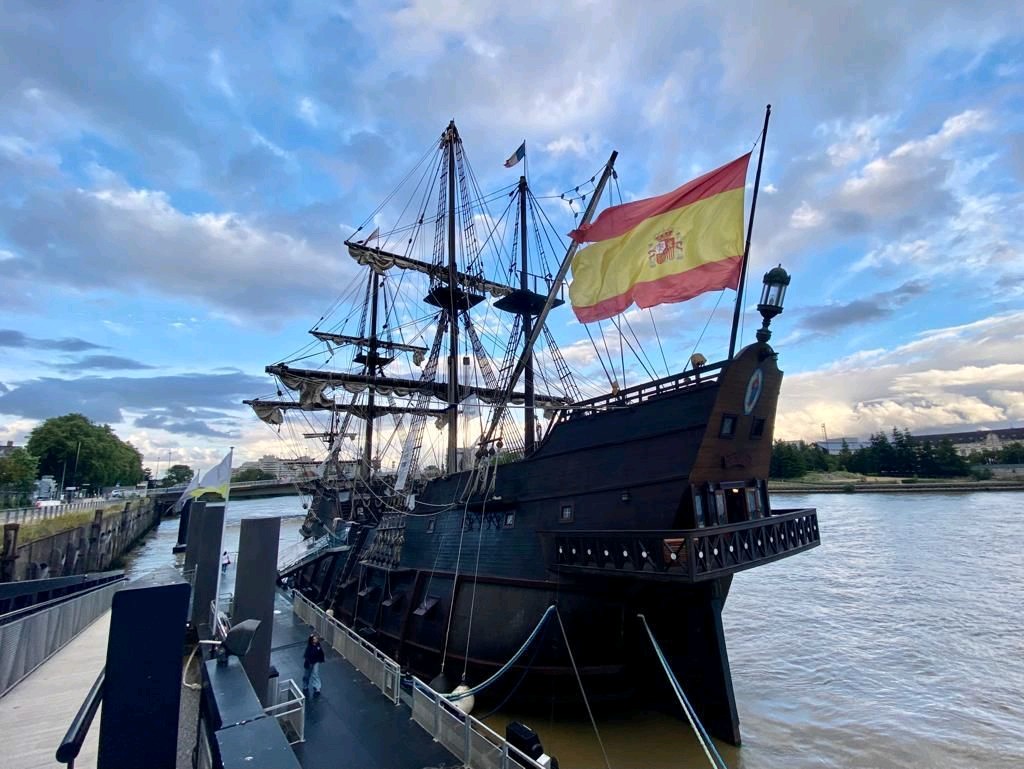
<point>642,499</point>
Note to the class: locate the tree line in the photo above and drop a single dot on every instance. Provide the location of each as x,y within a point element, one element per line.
<point>73,450</point>
<point>182,474</point>
<point>897,454</point>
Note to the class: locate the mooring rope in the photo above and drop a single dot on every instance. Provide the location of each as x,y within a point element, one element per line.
<point>504,668</point>
<point>702,736</point>
<point>582,691</point>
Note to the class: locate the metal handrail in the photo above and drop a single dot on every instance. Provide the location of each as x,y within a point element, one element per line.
<point>74,738</point>
<point>25,611</point>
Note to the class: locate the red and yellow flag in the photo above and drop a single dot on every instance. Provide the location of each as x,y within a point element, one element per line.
<point>663,249</point>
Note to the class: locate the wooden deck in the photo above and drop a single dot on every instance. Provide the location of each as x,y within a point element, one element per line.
<point>36,713</point>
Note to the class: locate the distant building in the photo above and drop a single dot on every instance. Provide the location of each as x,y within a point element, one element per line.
<point>5,450</point>
<point>282,469</point>
<point>835,445</point>
<point>977,440</point>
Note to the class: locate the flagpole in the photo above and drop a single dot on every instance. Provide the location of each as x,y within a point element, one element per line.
<point>750,230</point>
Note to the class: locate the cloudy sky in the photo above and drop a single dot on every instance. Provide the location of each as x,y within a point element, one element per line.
<point>176,181</point>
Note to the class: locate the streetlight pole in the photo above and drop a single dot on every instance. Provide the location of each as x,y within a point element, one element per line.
<point>74,473</point>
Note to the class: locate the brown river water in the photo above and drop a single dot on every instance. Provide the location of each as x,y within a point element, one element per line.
<point>899,642</point>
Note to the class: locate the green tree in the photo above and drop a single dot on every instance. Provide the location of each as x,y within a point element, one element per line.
<point>948,463</point>
<point>927,465</point>
<point>84,453</point>
<point>787,460</point>
<point>253,474</point>
<point>1012,454</point>
<point>177,475</point>
<point>904,456</point>
<point>845,456</point>
<point>18,470</point>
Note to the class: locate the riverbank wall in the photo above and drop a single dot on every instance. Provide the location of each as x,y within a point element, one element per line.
<point>909,486</point>
<point>92,545</point>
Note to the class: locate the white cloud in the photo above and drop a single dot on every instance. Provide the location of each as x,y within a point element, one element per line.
<point>308,111</point>
<point>123,238</point>
<point>948,378</point>
<point>218,76</point>
<point>856,140</point>
<point>574,144</point>
<point>806,217</point>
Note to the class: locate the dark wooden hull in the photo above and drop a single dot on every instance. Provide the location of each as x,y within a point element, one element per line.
<point>467,577</point>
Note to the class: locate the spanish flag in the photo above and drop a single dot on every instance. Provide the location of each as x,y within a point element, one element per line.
<point>664,249</point>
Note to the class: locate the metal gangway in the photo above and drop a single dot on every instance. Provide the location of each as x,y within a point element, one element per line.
<point>470,740</point>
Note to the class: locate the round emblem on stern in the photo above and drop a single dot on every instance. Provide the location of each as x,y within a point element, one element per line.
<point>753,392</point>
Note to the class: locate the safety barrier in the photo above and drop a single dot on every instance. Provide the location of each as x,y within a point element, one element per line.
<point>302,552</point>
<point>27,514</point>
<point>471,741</point>
<point>27,643</point>
<point>290,711</point>
<point>383,672</point>
<point>468,739</point>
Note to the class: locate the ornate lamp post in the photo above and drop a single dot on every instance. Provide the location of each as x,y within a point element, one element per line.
<point>776,280</point>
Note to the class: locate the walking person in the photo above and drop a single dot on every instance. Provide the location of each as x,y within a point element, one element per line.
<point>225,561</point>
<point>311,660</point>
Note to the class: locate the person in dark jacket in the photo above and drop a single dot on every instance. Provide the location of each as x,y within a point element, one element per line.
<point>311,660</point>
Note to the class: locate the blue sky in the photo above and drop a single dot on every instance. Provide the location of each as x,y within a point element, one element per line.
<point>176,181</point>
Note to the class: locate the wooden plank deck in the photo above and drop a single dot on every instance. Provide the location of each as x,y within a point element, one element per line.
<point>36,713</point>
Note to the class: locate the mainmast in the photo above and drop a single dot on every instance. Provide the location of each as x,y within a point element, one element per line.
<point>531,417</point>
<point>371,370</point>
<point>552,299</point>
<point>451,138</point>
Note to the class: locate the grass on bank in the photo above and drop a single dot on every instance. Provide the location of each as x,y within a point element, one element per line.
<point>842,477</point>
<point>33,530</point>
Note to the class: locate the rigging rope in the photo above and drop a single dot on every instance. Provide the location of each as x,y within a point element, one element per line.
<point>691,715</point>
<point>579,680</point>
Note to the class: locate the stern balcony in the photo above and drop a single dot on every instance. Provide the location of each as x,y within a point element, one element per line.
<point>685,555</point>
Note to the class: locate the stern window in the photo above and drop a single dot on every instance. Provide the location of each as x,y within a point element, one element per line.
<point>566,515</point>
<point>510,520</point>
<point>757,428</point>
<point>430,525</point>
<point>728,428</point>
<point>753,503</point>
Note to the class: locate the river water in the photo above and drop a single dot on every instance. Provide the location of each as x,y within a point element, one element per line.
<point>899,642</point>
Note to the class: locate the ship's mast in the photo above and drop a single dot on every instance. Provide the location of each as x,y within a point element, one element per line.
<point>531,417</point>
<point>371,370</point>
<point>556,285</point>
<point>451,137</point>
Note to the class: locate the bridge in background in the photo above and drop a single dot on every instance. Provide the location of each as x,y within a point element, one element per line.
<point>247,490</point>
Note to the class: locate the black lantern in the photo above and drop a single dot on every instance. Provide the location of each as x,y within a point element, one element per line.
<point>776,280</point>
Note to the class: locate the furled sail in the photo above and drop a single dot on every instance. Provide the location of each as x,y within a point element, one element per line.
<point>299,379</point>
<point>381,261</point>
